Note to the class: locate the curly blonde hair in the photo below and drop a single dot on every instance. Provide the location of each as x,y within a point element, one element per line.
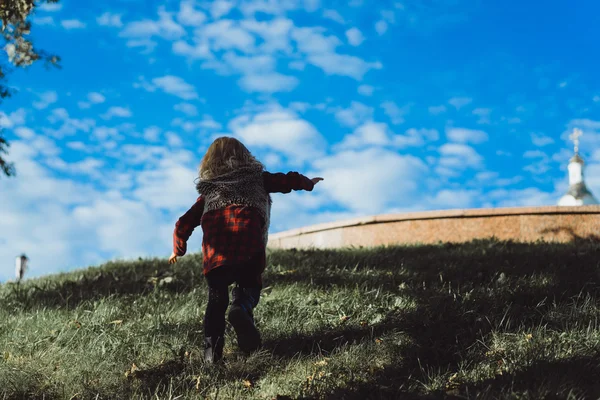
<point>224,155</point>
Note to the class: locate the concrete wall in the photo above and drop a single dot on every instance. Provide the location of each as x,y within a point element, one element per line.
<point>524,224</point>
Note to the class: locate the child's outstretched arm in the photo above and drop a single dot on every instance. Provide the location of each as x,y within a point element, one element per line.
<point>284,183</point>
<point>184,228</point>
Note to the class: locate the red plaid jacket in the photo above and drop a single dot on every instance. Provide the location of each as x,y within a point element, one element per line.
<point>233,235</point>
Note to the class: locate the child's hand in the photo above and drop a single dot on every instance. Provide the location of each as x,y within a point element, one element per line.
<point>173,258</point>
<point>315,180</point>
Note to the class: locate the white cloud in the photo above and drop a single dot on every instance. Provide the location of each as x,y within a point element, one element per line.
<point>535,154</point>
<point>320,51</point>
<point>103,133</point>
<point>311,5</point>
<point>459,102</point>
<point>529,197</point>
<point>297,65</point>
<point>249,64</point>
<point>24,132</point>
<point>272,160</point>
<point>436,110</point>
<point>356,114</point>
<point>220,8</point>
<point>275,34</point>
<point>72,24</point>
<point>172,85</point>
<point>122,228</point>
<point>49,7</point>
<point>378,134</point>
<point>268,83</point>
<point>389,16</point>
<point>483,114</point>
<point>96,98</point>
<point>311,40</point>
<point>147,44</point>
<point>592,179</point>
<point>366,90</point>
<point>227,34</point>
<point>173,139</point>
<point>58,114</point>
<point>69,126</point>
<point>173,171</point>
<point>452,199</point>
<point>115,111</point>
<point>206,124</point>
<point>463,135</point>
<point>258,70</point>
<point>508,181</point>
<point>44,146</point>
<point>152,133</point>
<point>110,19</point>
<point>200,50</point>
<point>540,166</point>
<point>385,178</point>
<point>46,99</point>
<point>41,21</point>
<point>299,106</point>
<point>395,113</point>
<point>60,240</point>
<point>250,8</point>
<point>368,134</point>
<point>77,145</point>
<point>280,130</point>
<point>354,37</point>
<point>188,109</point>
<point>486,176</point>
<point>302,209</point>
<point>89,167</point>
<point>165,27</point>
<point>334,16</point>
<point>381,27</point>
<point>585,124</point>
<point>189,16</point>
<point>415,137</point>
<point>344,65</point>
<point>459,156</point>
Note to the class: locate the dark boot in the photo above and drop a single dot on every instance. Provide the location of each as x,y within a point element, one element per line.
<point>242,319</point>
<point>213,349</point>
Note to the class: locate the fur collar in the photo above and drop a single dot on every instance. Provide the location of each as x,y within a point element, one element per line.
<point>243,186</point>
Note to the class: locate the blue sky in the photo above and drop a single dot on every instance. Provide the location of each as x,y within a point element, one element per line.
<point>399,106</point>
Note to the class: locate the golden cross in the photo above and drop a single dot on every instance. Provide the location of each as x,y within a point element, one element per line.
<point>575,138</point>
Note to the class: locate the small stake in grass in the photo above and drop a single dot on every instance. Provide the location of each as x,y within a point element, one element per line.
<point>20,266</point>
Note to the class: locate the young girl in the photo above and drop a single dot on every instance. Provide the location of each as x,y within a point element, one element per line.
<point>234,208</point>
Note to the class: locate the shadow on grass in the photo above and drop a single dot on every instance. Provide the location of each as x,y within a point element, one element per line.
<point>120,279</point>
<point>569,378</point>
<point>463,292</point>
<point>548,379</point>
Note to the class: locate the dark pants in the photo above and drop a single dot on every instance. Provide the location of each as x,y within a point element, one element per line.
<point>245,294</point>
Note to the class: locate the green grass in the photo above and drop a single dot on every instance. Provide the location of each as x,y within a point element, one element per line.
<point>486,319</point>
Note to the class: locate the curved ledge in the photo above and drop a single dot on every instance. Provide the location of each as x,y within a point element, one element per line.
<point>554,223</point>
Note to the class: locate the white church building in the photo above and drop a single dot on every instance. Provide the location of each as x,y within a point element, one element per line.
<point>578,193</point>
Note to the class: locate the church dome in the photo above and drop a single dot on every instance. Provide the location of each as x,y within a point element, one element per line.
<point>577,159</point>
<point>578,193</point>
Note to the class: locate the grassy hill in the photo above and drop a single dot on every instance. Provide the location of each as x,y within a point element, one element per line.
<point>486,319</point>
